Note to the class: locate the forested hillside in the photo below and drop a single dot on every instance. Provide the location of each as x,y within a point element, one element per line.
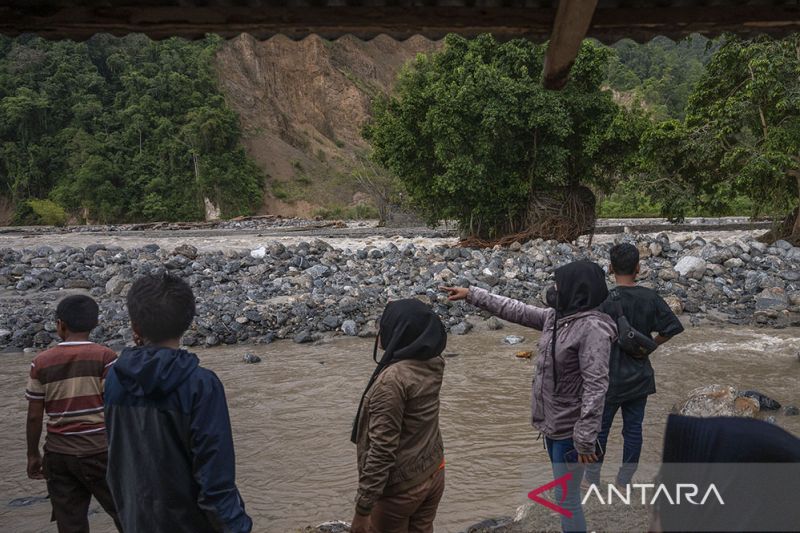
<point>118,130</point>
<point>660,74</point>
<point>114,130</point>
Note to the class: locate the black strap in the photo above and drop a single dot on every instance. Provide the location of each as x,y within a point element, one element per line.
<point>617,303</point>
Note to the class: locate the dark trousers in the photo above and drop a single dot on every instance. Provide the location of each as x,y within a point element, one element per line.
<point>412,511</point>
<point>632,417</point>
<point>557,450</point>
<point>71,483</point>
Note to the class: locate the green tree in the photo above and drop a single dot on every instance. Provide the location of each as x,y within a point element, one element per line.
<point>120,130</point>
<point>472,135</point>
<point>741,135</point>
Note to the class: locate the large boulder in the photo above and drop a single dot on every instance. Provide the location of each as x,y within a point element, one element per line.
<point>716,400</point>
<point>772,298</point>
<point>691,267</point>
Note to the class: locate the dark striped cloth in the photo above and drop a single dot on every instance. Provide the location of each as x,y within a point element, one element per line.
<point>69,379</point>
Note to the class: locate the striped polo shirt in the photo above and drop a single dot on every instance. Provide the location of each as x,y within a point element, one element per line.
<point>69,378</point>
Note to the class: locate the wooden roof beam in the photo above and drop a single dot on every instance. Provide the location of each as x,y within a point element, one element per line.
<point>573,19</point>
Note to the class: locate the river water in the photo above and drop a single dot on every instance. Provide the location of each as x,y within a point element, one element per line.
<point>291,418</point>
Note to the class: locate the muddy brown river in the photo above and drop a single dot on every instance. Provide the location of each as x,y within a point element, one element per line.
<point>292,413</point>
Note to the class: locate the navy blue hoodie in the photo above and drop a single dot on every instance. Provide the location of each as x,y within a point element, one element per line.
<point>171,465</point>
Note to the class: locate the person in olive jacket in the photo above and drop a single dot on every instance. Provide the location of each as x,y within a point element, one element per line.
<point>396,431</point>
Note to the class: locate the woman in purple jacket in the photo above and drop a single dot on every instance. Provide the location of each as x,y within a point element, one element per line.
<point>571,377</point>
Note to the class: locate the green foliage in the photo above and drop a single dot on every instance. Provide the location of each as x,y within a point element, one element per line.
<point>48,212</point>
<point>472,134</point>
<point>661,73</point>
<point>740,138</point>
<point>120,129</point>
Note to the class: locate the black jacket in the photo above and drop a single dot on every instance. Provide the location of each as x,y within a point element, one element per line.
<point>171,466</point>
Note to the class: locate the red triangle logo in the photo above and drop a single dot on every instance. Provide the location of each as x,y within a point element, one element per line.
<point>562,482</point>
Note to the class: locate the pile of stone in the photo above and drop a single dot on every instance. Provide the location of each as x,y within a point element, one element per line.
<point>310,289</point>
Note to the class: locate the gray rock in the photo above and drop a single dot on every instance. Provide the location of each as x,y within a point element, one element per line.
<point>462,328</point>
<point>186,250</point>
<point>77,284</point>
<point>493,324</point>
<point>251,358</point>
<point>318,271</point>
<point>115,285</point>
<point>793,254</point>
<point>783,245</point>
<point>331,322</point>
<point>303,337</point>
<point>668,274</point>
<point>276,249</point>
<point>655,249</point>
<point>691,267</point>
<point>513,339</point>
<point>772,298</point>
<point>716,400</point>
<point>734,262</point>
<point>765,402</point>
<point>350,328</point>
<point>791,410</point>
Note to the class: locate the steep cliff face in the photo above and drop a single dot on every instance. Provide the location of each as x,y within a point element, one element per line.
<point>303,104</point>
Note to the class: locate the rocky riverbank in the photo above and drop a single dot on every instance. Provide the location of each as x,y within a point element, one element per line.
<point>308,290</point>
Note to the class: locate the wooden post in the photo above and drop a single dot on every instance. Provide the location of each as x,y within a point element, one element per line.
<point>573,19</point>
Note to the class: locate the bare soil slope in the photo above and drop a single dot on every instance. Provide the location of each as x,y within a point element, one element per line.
<point>303,104</point>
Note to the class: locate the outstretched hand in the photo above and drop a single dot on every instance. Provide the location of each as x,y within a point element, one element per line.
<point>455,293</point>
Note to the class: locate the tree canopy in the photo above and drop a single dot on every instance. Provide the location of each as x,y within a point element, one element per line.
<point>119,130</point>
<point>741,134</point>
<point>473,136</point>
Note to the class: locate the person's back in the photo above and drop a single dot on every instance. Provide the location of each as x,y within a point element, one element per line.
<point>67,382</point>
<point>630,377</point>
<point>648,313</point>
<point>396,431</point>
<point>171,457</point>
<point>419,447</point>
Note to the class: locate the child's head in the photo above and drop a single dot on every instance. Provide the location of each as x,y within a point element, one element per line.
<point>161,308</point>
<point>624,259</point>
<point>76,314</point>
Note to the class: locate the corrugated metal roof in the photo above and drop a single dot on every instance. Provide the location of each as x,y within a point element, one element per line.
<point>400,19</point>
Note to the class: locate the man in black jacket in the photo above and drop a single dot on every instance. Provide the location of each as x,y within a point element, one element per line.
<point>171,466</point>
<point>631,380</point>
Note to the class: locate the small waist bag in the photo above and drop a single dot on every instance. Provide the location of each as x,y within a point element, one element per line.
<point>631,341</point>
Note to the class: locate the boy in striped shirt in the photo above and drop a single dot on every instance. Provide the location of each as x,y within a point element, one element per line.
<point>67,382</point>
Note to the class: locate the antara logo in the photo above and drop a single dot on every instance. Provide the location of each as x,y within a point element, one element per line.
<point>649,494</point>
<point>683,493</point>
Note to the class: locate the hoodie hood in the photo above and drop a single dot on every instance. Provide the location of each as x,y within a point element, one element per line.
<point>409,329</point>
<point>153,370</point>
<point>581,286</point>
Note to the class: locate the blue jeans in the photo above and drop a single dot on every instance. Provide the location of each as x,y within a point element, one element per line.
<point>632,417</point>
<point>556,449</point>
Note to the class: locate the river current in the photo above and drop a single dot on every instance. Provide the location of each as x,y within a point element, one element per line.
<point>291,417</point>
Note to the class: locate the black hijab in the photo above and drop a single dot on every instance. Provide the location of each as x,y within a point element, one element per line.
<point>733,454</point>
<point>580,286</point>
<point>408,329</point>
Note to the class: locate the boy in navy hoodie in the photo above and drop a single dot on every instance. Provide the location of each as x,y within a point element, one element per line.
<point>171,465</point>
